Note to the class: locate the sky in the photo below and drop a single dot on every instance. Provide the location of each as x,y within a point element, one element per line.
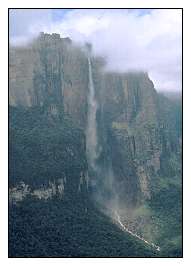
<point>130,39</point>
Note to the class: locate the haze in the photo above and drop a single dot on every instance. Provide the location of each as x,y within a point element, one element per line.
<point>130,39</point>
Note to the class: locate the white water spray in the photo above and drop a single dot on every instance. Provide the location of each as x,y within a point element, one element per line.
<point>91,132</point>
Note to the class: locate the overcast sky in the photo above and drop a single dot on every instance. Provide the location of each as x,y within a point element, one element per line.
<point>131,39</point>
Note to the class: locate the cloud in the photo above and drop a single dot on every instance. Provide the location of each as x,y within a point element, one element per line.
<point>148,40</point>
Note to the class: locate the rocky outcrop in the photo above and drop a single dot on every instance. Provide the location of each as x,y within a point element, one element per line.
<point>21,191</point>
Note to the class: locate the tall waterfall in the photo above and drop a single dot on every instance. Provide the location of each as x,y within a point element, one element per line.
<point>105,195</point>
<point>101,178</point>
<point>91,131</point>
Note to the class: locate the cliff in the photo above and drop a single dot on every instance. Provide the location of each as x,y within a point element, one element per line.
<point>133,128</point>
<point>138,131</point>
<point>52,73</point>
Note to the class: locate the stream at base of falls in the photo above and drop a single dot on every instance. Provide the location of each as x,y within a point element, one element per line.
<point>134,234</point>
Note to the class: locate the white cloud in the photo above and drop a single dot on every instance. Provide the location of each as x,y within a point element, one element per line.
<point>130,40</point>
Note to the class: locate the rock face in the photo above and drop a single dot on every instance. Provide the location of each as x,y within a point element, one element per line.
<point>131,103</point>
<point>52,73</point>
<point>136,127</point>
<point>140,130</point>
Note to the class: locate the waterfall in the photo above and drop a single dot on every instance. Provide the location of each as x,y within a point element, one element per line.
<point>108,199</point>
<point>101,178</point>
<point>91,131</point>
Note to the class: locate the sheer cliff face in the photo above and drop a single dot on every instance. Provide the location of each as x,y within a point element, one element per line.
<point>135,133</point>
<point>131,104</point>
<point>141,134</point>
<point>52,73</point>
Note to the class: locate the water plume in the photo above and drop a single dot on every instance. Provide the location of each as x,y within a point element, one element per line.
<point>91,131</point>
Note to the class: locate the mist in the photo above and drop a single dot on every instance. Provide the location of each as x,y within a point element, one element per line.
<point>147,40</point>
